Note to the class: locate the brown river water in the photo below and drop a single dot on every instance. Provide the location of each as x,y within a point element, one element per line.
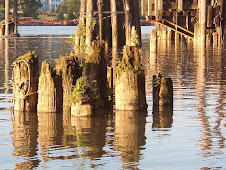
<point>193,137</point>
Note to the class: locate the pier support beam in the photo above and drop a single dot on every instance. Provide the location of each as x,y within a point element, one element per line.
<point>6,18</point>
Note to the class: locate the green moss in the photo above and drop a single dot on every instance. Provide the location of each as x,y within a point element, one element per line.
<point>95,54</point>
<point>130,61</point>
<point>79,91</point>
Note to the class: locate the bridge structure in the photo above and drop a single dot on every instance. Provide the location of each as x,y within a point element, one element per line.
<point>197,19</point>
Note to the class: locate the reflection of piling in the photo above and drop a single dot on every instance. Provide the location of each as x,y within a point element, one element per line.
<point>50,131</point>
<point>25,83</point>
<point>162,91</point>
<point>24,136</point>
<point>130,82</point>
<point>162,116</point>
<point>6,65</point>
<point>89,133</point>
<point>129,136</point>
<point>49,90</point>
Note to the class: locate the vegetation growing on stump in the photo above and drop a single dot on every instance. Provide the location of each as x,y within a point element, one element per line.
<point>130,82</point>
<point>81,99</point>
<point>69,70</point>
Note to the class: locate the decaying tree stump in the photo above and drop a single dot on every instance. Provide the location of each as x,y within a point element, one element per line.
<point>68,69</point>
<point>130,82</point>
<point>25,83</point>
<point>162,91</point>
<point>50,97</point>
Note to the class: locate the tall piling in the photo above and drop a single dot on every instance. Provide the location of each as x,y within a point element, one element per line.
<point>68,69</point>
<point>25,83</point>
<point>6,18</point>
<point>130,82</point>
<point>50,92</point>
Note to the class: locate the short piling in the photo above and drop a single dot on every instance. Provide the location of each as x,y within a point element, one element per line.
<point>162,91</point>
<point>25,83</point>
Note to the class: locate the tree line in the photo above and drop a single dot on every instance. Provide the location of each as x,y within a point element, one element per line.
<point>30,8</point>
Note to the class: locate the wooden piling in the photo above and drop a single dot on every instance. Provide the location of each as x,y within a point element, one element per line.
<point>153,41</point>
<point>130,82</point>
<point>69,71</point>
<point>6,18</point>
<point>89,23</point>
<point>162,91</point>
<point>25,83</point>
<point>50,92</point>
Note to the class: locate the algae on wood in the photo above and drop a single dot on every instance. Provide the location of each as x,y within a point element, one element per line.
<point>25,83</point>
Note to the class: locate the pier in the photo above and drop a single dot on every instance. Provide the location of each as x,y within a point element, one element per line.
<point>201,20</point>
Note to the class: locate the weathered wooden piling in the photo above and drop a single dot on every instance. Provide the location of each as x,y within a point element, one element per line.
<point>162,91</point>
<point>130,82</point>
<point>50,92</point>
<point>96,73</point>
<point>153,41</point>
<point>25,83</point>
<point>6,18</point>
<point>69,71</point>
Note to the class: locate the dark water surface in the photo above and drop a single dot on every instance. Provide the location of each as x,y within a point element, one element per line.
<point>193,138</point>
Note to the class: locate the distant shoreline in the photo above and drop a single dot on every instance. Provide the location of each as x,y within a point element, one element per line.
<point>30,21</point>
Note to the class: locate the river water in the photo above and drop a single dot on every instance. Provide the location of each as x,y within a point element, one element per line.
<point>192,138</point>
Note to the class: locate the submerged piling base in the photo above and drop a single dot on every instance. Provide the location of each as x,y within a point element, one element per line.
<point>81,109</point>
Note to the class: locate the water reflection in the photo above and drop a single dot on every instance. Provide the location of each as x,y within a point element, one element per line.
<point>25,135</point>
<point>162,117</point>
<point>50,129</point>
<point>129,137</point>
<point>89,133</point>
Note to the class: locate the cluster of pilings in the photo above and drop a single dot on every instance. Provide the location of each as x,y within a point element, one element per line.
<point>83,81</point>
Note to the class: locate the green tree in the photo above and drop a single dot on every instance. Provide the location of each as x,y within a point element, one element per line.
<point>69,7</point>
<point>29,8</point>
